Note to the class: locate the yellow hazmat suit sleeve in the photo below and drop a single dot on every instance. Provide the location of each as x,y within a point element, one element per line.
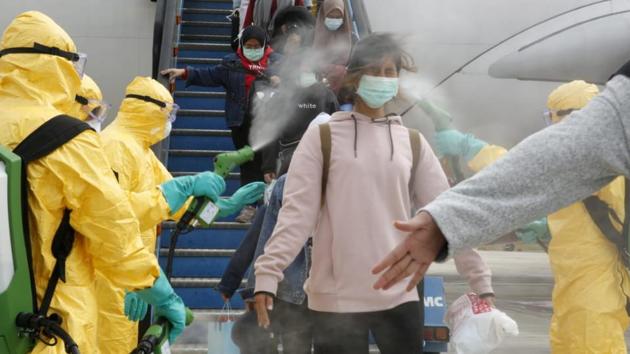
<point>90,90</point>
<point>486,157</point>
<point>138,125</point>
<point>33,89</point>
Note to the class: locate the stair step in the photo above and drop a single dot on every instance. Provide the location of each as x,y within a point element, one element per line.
<point>198,252</point>
<point>201,139</point>
<point>216,237</point>
<point>207,27</point>
<point>199,263</point>
<point>211,24</point>
<point>233,175</point>
<point>196,153</point>
<point>202,62</point>
<point>201,113</point>
<point>200,99</point>
<point>201,14</point>
<point>193,282</point>
<point>203,50</point>
<point>208,4</point>
<point>202,94</point>
<point>211,38</point>
<point>201,132</point>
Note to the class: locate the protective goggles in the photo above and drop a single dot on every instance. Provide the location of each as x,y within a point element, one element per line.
<point>552,117</point>
<point>172,116</point>
<point>98,109</point>
<point>78,60</point>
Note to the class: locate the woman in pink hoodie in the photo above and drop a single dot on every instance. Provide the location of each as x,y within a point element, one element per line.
<point>369,185</point>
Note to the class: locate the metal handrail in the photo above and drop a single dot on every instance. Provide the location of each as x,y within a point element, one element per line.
<point>167,19</point>
<point>360,20</point>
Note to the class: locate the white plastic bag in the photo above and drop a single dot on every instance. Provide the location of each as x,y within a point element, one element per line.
<point>476,327</point>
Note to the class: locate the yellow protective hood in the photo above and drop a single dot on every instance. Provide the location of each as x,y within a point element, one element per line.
<point>90,90</point>
<point>573,95</point>
<point>146,121</point>
<point>42,78</point>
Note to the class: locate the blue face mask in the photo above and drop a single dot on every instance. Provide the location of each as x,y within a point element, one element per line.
<point>254,54</point>
<point>333,24</point>
<point>375,91</point>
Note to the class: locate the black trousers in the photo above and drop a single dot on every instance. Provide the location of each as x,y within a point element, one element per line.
<point>290,325</point>
<point>250,171</point>
<point>396,331</point>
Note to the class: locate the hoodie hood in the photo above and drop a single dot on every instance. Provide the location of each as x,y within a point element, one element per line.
<point>358,117</point>
<point>41,78</point>
<point>145,121</point>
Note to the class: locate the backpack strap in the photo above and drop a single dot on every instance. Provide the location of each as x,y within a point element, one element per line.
<point>414,142</point>
<point>325,138</point>
<point>41,142</point>
<point>601,213</point>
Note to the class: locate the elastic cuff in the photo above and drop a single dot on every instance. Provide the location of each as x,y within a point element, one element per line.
<point>441,257</point>
<point>266,284</point>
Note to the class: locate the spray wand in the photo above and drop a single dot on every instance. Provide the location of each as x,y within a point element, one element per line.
<point>442,120</point>
<point>203,211</point>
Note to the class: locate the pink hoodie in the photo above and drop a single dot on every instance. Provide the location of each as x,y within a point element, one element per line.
<point>367,190</point>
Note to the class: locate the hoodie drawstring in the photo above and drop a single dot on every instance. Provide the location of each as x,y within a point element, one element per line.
<point>356,136</point>
<point>389,129</point>
<point>391,140</point>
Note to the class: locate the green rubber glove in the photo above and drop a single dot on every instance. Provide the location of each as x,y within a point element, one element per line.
<point>452,142</point>
<point>534,231</point>
<point>135,307</point>
<point>178,190</point>
<point>166,304</point>
<point>245,195</point>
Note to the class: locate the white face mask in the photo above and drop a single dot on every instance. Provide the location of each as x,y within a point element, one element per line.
<point>168,128</point>
<point>333,24</point>
<point>307,79</point>
<point>95,124</point>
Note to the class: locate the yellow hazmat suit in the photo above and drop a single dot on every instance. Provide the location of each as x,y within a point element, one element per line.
<point>127,141</point>
<point>33,89</point>
<point>591,281</point>
<point>90,90</point>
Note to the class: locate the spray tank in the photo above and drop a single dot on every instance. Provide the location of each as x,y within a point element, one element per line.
<point>20,323</point>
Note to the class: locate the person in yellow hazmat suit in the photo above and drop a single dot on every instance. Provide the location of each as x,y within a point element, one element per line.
<point>145,118</point>
<point>592,285</point>
<point>40,75</point>
<point>89,104</point>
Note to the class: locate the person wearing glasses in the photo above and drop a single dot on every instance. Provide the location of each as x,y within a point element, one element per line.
<point>591,282</point>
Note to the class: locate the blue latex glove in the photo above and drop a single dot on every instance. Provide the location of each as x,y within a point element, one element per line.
<point>178,190</point>
<point>534,231</point>
<point>135,307</point>
<point>245,195</point>
<point>452,142</point>
<point>166,304</point>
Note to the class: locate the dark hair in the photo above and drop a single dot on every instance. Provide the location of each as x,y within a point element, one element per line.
<point>254,32</point>
<point>374,48</point>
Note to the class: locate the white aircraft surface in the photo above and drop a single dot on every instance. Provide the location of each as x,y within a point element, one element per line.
<point>494,61</point>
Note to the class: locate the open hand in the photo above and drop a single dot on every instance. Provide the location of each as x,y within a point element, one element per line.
<point>414,255</point>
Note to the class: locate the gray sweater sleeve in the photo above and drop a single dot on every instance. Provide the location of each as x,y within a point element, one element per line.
<point>545,172</point>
